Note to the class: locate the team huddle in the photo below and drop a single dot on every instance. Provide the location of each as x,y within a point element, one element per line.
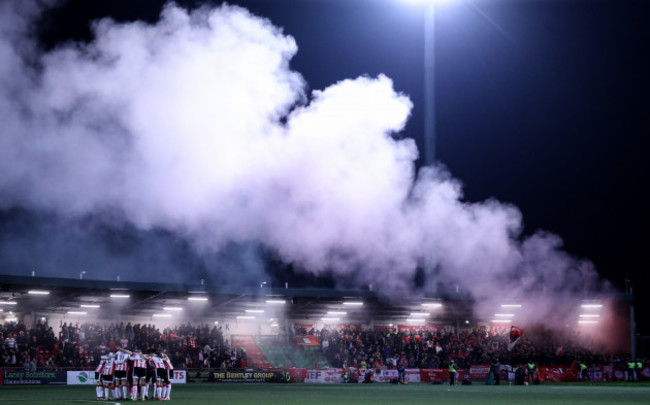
<point>127,375</point>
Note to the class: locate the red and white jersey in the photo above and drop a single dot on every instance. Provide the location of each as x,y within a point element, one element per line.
<point>120,361</point>
<point>138,361</point>
<point>168,363</point>
<point>109,367</point>
<point>101,364</point>
<point>156,362</point>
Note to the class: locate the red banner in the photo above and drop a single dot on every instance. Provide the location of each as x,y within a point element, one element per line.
<point>479,371</point>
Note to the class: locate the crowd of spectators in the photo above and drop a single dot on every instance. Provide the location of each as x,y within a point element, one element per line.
<point>81,345</point>
<point>194,347</point>
<point>436,349</point>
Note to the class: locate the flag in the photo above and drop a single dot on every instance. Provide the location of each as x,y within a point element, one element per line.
<point>515,334</point>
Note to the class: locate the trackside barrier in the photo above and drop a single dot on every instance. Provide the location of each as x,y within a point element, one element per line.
<point>88,377</point>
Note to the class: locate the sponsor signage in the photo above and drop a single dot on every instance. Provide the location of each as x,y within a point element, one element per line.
<point>233,376</point>
<point>34,377</point>
<point>81,378</point>
<point>479,372</point>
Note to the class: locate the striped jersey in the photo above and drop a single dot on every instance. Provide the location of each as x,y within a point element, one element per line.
<point>109,367</point>
<point>120,361</point>
<point>138,361</point>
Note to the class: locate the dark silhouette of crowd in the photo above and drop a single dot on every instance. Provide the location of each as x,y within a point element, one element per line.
<point>81,345</point>
<point>196,347</point>
<point>436,349</point>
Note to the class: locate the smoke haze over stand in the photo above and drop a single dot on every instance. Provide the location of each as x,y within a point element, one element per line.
<point>197,127</point>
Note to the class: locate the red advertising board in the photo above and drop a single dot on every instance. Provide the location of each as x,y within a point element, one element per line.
<point>439,374</point>
<point>479,371</point>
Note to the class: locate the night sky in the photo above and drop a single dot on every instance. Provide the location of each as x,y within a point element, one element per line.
<point>542,104</point>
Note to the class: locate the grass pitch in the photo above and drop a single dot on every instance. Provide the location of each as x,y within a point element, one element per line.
<point>361,394</point>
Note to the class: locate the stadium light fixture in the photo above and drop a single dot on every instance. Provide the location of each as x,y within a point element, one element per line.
<point>500,320</point>
<point>276,302</point>
<point>417,321</point>
<point>432,305</point>
<point>177,309</point>
<point>353,303</point>
<point>330,319</point>
<point>254,311</point>
<point>203,299</point>
<point>38,292</point>
<point>89,306</point>
<point>591,306</point>
<point>216,322</point>
<point>419,314</point>
<point>120,296</point>
<point>8,303</point>
<point>336,313</point>
<point>245,317</point>
<point>589,316</point>
<point>162,315</point>
<point>77,312</point>
<point>504,315</point>
<point>510,305</point>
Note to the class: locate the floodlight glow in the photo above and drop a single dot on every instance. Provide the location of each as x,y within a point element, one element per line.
<point>8,303</point>
<point>216,322</point>
<point>162,315</point>
<point>245,317</point>
<point>172,309</point>
<point>505,315</point>
<point>419,314</point>
<point>274,325</point>
<point>329,319</point>
<point>589,316</point>
<point>432,305</point>
<point>336,313</point>
<point>255,311</point>
<point>197,298</point>
<point>510,305</point>
<point>11,319</point>
<point>276,302</point>
<point>583,322</point>
<point>501,320</point>
<point>38,292</point>
<point>353,303</point>
<point>120,296</point>
<point>77,312</point>
<point>591,305</point>
<point>89,306</point>
<point>418,321</point>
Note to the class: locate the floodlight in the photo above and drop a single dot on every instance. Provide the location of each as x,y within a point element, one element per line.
<point>276,302</point>
<point>245,317</point>
<point>418,321</point>
<point>501,320</point>
<point>419,314</point>
<point>505,315</point>
<point>38,292</point>
<point>120,296</point>
<point>432,305</point>
<point>328,319</point>
<point>336,313</point>
<point>77,312</point>
<point>197,298</point>
<point>172,309</point>
<point>8,303</point>
<point>255,311</point>
<point>591,305</point>
<point>89,306</point>
<point>353,303</point>
<point>510,305</point>
<point>162,315</point>
<point>589,316</point>
<point>14,319</point>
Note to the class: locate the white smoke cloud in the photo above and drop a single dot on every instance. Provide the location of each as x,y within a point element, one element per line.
<point>197,125</point>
